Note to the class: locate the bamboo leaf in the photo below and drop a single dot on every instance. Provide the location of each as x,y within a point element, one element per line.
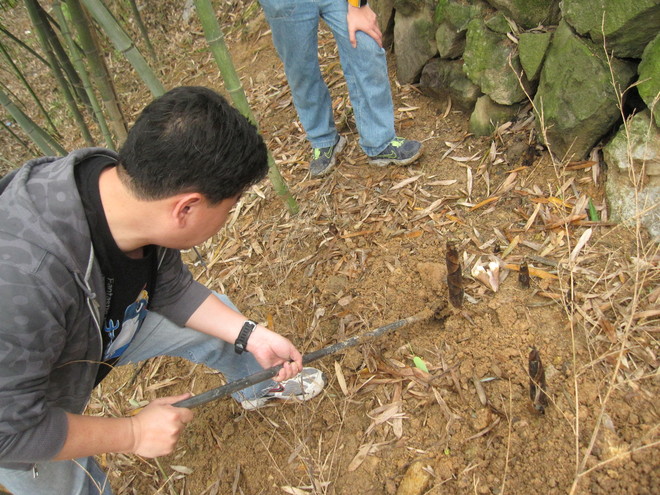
<point>420,364</point>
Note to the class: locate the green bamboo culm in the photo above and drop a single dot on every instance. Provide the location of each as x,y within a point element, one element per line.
<point>216,40</point>
<point>18,139</point>
<point>63,58</point>
<point>27,85</point>
<point>98,70</point>
<point>124,44</point>
<point>37,22</point>
<point>143,30</point>
<point>26,47</point>
<point>41,138</point>
<point>79,64</point>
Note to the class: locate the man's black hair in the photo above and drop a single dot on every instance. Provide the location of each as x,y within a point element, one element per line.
<point>191,140</point>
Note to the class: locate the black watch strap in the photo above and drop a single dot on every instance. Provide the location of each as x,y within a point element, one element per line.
<point>240,346</point>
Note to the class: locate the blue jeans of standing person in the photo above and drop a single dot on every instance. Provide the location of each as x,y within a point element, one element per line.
<point>294,24</point>
<point>157,337</point>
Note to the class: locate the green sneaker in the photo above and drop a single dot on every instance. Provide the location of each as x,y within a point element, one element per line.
<point>400,151</point>
<point>324,159</point>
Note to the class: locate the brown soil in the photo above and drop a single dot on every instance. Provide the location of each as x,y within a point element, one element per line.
<point>367,248</point>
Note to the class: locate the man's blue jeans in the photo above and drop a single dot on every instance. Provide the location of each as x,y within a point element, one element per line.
<point>294,24</point>
<point>157,337</point>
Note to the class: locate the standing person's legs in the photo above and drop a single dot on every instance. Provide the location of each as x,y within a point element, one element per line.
<point>365,69</point>
<point>158,336</point>
<point>77,477</point>
<point>294,26</point>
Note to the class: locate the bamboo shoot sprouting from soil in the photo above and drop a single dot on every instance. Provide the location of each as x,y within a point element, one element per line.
<point>523,275</point>
<point>79,64</point>
<point>537,384</point>
<point>42,34</point>
<point>124,44</point>
<point>216,40</point>
<point>46,143</point>
<point>98,70</point>
<point>454,275</point>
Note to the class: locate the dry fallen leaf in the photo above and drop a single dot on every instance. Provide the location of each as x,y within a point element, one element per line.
<point>340,378</point>
<point>359,458</point>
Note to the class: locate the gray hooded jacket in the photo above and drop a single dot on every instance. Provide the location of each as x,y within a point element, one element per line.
<point>52,302</point>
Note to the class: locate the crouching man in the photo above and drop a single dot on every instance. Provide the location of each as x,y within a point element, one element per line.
<point>91,277</point>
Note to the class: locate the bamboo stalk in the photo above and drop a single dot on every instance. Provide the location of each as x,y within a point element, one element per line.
<point>98,70</point>
<point>27,85</point>
<point>84,76</point>
<point>41,138</point>
<point>12,94</point>
<point>216,40</point>
<point>20,43</point>
<point>124,44</point>
<point>37,22</point>
<point>143,30</point>
<point>63,58</point>
<point>15,136</point>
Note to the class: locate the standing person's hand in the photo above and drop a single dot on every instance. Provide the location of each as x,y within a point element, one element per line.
<point>270,349</point>
<point>363,19</point>
<point>157,427</point>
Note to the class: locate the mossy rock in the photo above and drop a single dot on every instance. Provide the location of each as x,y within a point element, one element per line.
<point>532,49</point>
<point>488,115</point>
<point>529,13</point>
<point>576,102</point>
<point>649,78</point>
<point>492,63</point>
<point>627,25</point>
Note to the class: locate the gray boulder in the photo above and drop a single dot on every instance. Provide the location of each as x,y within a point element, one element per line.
<point>491,62</point>
<point>414,43</point>
<point>529,13</point>
<point>628,26</point>
<point>488,115</point>
<point>384,9</point>
<point>442,78</point>
<point>449,40</point>
<point>633,156</point>
<point>649,77</point>
<point>576,103</point>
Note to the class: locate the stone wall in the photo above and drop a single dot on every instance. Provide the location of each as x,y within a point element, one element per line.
<point>577,61</point>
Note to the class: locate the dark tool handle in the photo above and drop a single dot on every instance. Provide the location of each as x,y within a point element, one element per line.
<point>262,375</point>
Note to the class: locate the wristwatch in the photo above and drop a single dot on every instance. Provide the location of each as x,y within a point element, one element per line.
<point>240,346</point>
<point>357,3</point>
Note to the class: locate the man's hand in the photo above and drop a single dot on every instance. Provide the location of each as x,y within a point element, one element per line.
<point>270,349</point>
<point>363,19</point>
<point>157,427</point>
<point>215,318</point>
